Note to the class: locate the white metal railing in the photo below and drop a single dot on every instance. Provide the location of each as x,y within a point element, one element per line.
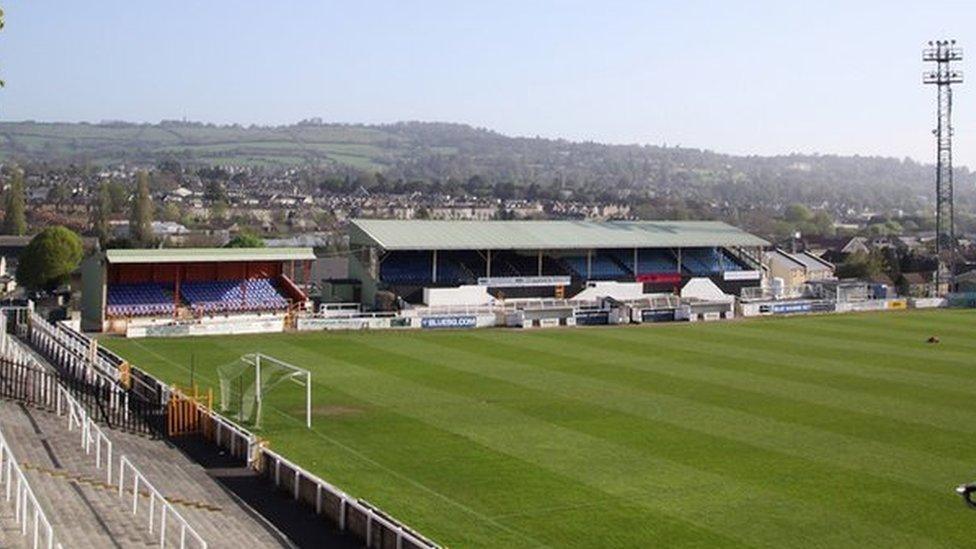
<point>346,502</point>
<point>165,508</point>
<point>238,439</point>
<point>27,511</point>
<point>257,454</point>
<point>89,346</point>
<point>91,433</point>
<point>452,310</point>
<point>13,349</point>
<point>69,349</point>
<point>327,310</point>
<point>64,348</point>
<point>53,394</point>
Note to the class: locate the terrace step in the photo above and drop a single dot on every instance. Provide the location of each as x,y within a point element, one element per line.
<point>216,514</point>
<point>81,513</point>
<point>85,507</point>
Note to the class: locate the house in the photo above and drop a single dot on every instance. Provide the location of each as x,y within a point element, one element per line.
<point>857,244</point>
<point>160,229</point>
<point>816,269</point>
<point>922,284</point>
<point>783,265</point>
<point>797,269</point>
<point>917,284</point>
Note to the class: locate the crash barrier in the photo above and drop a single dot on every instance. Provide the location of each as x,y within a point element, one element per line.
<point>28,514</point>
<point>166,512</point>
<point>349,514</point>
<point>95,379</point>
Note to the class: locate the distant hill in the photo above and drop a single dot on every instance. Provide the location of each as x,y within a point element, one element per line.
<point>110,143</point>
<point>443,152</point>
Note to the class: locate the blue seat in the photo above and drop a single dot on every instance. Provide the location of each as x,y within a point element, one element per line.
<point>144,299</point>
<point>233,295</point>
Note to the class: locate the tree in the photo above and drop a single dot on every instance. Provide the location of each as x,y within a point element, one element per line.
<point>140,222</point>
<point>49,259</point>
<point>797,213</point>
<point>215,191</point>
<point>120,196</point>
<point>100,214</point>
<point>15,216</point>
<point>245,240</point>
<point>171,212</point>
<point>58,194</point>
<point>861,266</point>
<point>218,210</point>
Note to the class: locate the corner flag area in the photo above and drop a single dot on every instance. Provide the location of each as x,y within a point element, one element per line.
<point>837,431</point>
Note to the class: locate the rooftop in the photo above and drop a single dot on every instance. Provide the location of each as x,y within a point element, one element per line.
<point>391,234</point>
<point>207,255</point>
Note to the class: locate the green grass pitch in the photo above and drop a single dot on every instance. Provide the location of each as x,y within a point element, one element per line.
<point>822,431</point>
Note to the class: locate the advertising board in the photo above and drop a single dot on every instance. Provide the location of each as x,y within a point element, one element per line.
<point>448,321</point>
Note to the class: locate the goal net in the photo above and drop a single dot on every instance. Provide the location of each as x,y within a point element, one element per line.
<point>246,382</point>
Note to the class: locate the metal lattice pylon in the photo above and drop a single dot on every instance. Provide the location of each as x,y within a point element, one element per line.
<point>943,53</point>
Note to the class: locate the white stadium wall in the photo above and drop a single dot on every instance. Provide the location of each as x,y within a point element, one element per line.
<point>621,291</point>
<point>461,296</point>
<point>225,326</point>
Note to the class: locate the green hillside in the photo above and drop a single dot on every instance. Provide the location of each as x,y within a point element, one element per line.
<point>460,155</point>
<point>110,143</point>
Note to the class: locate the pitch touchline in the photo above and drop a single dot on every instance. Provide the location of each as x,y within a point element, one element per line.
<point>369,460</point>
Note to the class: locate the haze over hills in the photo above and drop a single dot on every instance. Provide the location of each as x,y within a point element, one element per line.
<point>457,152</point>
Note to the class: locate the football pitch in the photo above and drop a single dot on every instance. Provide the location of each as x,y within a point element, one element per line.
<point>827,431</point>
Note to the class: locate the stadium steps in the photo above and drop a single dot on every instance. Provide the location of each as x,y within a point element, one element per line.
<point>196,472</point>
<point>216,515</point>
<point>171,471</point>
<point>83,514</point>
<point>86,512</point>
<point>10,536</point>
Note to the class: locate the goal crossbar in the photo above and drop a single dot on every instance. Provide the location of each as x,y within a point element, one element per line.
<point>300,376</point>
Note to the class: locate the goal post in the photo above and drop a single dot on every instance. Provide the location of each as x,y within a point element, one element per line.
<point>246,382</point>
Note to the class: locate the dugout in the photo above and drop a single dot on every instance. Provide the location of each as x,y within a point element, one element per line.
<point>122,288</point>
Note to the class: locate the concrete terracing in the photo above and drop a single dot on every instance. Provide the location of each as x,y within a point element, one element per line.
<point>86,510</point>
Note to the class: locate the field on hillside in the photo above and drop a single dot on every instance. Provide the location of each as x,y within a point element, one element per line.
<point>356,146</point>
<point>829,431</point>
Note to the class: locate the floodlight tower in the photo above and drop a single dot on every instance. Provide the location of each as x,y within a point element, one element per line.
<point>943,53</point>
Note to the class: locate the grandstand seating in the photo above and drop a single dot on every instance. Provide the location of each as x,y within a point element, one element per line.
<point>708,261</point>
<point>149,299</point>
<point>451,270</point>
<point>513,264</point>
<point>469,262</point>
<point>406,268</point>
<point>656,261</point>
<point>233,295</point>
<point>465,267</point>
<point>604,266</point>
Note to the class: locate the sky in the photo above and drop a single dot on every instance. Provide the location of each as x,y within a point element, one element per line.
<point>739,77</point>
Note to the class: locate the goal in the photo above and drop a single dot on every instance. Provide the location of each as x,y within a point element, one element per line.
<point>246,382</point>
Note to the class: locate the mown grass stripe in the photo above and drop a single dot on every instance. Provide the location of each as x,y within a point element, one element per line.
<point>863,492</point>
<point>768,356</point>
<point>765,367</point>
<point>705,380</point>
<point>891,462</point>
<point>598,430</point>
<point>644,479</point>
